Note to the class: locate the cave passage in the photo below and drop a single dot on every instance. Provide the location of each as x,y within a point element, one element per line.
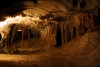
<point>18,36</point>
<point>59,37</point>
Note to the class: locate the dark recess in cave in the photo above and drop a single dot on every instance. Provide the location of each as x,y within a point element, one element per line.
<point>13,11</point>
<point>74,3</point>
<point>18,36</point>
<point>31,35</point>
<point>74,31</point>
<point>6,3</point>
<point>69,36</point>
<point>82,4</point>
<point>35,1</point>
<point>0,37</point>
<point>59,37</point>
<point>99,19</point>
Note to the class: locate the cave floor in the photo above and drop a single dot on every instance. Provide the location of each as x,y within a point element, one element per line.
<point>57,57</point>
<point>42,59</point>
<point>68,55</point>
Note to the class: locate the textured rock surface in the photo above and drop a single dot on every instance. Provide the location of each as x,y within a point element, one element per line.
<point>57,25</point>
<point>69,26</point>
<point>82,51</point>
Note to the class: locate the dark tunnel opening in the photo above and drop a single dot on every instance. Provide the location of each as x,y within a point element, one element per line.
<point>74,32</point>
<point>18,36</point>
<point>59,37</point>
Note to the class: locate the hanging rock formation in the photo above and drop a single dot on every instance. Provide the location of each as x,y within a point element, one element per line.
<point>45,27</point>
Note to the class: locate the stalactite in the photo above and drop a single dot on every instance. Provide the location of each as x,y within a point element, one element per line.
<point>29,34</point>
<point>92,22</point>
<point>8,42</point>
<point>71,32</point>
<point>64,36</point>
<point>84,22</point>
<point>13,33</point>
<point>78,30</point>
<point>60,32</point>
<point>68,34</point>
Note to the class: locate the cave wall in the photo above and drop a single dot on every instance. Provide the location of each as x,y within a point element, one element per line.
<point>61,32</point>
<point>74,26</point>
<point>56,34</point>
<point>59,23</point>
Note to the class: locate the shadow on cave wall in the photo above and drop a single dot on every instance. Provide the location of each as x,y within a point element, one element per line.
<point>59,37</point>
<point>74,31</point>
<point>82,4</point>
<point>11,11</point>
<point>11,7</point>
<point>6,3</point>
<point>18,36</point>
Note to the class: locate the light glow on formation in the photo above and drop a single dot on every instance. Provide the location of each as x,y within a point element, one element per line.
<point>19,30</point>
<point>27,20</point>
<point>19,19</point>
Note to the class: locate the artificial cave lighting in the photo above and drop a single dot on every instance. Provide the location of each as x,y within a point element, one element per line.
<point>19,30</point>
<point>19,20</point>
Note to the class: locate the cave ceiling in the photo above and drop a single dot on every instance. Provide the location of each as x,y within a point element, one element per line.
<point>27,11</point>
<point>12,7</point>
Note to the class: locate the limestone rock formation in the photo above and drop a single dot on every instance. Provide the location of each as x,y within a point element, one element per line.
<point>51,23</point>
<point>56,33</point>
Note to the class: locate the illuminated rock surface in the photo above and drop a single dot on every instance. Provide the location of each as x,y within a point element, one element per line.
<point>62,33</point>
